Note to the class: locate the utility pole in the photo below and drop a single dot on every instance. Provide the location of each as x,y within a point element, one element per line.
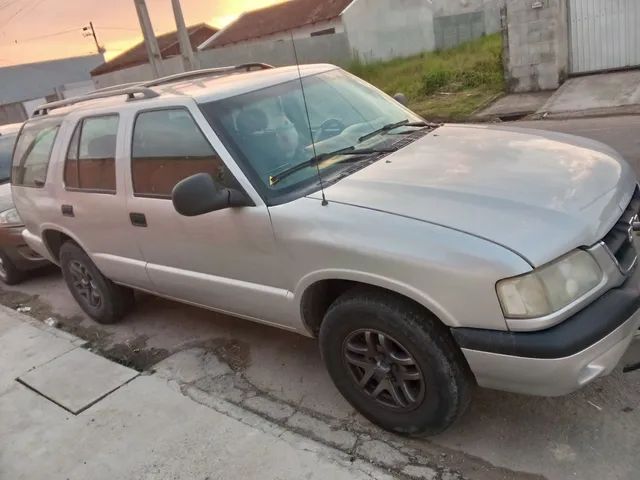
<point>99,47</point>
<point>189,60</point>
<point>150,40</point>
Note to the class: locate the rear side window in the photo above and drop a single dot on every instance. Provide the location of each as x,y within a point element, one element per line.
<point>91,158</point>
<point>167,147</point>
<point>33,152</point>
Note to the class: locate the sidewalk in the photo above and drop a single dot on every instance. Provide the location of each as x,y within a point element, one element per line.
<point>605,94</point>
<point>66,413</point>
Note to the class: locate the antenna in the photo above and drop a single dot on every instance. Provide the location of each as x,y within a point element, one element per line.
<point>306,109</point>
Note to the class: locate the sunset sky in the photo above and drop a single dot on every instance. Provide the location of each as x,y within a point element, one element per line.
<point>35,30</point>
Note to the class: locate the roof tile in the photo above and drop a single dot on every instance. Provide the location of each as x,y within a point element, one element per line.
<point>279,18</point>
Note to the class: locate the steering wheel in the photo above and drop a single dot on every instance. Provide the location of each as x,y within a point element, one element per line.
<point>331,128</point>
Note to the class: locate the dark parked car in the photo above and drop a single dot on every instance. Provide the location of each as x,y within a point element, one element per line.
<point>16,258</point>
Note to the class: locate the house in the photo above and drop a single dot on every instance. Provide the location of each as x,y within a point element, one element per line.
<point>25,87</point>
<point>133,64</point>
<point>373,29</point>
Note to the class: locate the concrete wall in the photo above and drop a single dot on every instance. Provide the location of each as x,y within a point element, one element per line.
<point>385,29</point>
<point>12,113</point>
<point>490,9</point>
<point>321,49</point>
<point>34,80</point>
<point>138,73</point>
<point>536,44</point>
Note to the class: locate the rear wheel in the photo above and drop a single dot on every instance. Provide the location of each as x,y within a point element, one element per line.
<point>99,297</point>
<point>9,273</point>
<point>395,363</point>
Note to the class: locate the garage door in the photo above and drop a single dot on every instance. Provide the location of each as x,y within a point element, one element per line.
<point>604,34</point>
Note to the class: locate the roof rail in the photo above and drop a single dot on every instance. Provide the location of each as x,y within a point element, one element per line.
<point>143,88</point>
<point>118,87</point>
<point>131,93</point>
<point>205,72</point>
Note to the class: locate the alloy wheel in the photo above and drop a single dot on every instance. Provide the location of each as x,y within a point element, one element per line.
<point>85,284</point>
<point>384,369</point>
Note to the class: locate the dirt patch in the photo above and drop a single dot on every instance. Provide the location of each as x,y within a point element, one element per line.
<point>235,353</point>
<point>135,353</point>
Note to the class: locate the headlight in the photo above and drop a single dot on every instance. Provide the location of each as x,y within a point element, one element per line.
<point>549,288</point>
<point>10,217</point>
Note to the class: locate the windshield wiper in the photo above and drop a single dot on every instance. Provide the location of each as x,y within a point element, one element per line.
<point>392,126</point>
<point>274,179</point>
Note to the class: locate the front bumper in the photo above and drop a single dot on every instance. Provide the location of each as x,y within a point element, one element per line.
<point>560,359</point>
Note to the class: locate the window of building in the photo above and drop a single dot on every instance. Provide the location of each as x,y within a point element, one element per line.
<point>326,31</point>
<point>167,147</point>
<point>33,152</point>
<point>91,158</point>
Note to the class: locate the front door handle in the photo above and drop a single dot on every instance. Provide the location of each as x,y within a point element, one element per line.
<point>138,219</point>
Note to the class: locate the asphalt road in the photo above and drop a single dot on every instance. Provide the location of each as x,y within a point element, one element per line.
<point>590,435</point>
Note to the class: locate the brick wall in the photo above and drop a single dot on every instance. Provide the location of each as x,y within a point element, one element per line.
<point>536,44</point>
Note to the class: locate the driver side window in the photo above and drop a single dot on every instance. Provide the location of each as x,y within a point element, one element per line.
<point>168,146</point>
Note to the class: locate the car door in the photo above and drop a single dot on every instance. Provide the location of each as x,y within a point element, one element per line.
<point>225,260</point>
<point>92,201</point>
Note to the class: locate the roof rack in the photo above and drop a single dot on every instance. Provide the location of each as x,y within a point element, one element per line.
<point>143,88</point>
<point>118,87</point>
<point>205,72</point>
<point>131,93</point>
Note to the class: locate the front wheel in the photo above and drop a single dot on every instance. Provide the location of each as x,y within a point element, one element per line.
<point>395,363</point>
<point>99,297</point>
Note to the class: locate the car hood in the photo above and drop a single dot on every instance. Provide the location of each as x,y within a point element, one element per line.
<point>540,194</point>
<point>6,201</point>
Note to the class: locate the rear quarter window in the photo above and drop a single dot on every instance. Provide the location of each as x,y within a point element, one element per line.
<point>33,152</point>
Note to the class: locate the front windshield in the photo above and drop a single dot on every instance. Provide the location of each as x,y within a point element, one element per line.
<point>6,151</point>
<point>268,131</point>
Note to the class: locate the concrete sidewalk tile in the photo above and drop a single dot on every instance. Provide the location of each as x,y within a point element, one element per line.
<point>77,379</point>
<point>23,347</point>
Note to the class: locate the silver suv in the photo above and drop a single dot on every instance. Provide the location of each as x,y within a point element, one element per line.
<point>425,258</point>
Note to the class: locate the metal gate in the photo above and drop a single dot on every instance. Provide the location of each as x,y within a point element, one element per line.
<point>604,34</point>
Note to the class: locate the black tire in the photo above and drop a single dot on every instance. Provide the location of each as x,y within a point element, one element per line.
<point>9,273</point>
<point>411,335</point>
<point>99,297</point>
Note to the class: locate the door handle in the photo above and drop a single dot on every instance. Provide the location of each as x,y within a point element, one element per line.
<point>138,219</point>
<point>67,210</point>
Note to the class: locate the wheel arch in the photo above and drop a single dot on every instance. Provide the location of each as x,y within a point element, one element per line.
<point>316,292</point>
<point>53,236</point>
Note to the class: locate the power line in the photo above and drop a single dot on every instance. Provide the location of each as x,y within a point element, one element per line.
<point>6,4</point>
<point>23,9</point>
<point>40,37</point>
<point>120,28</point>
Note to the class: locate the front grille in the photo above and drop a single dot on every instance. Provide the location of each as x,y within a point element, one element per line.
<point>619,240</point>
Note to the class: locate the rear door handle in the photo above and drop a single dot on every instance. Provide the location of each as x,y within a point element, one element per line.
<point>67,210</point>
<point>138,219</point>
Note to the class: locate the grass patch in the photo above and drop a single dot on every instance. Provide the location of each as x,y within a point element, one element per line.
<point>446,85</point>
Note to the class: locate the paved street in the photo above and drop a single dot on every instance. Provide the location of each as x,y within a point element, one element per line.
<point>590,435</point>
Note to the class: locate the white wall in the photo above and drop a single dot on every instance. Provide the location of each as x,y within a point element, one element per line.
<point>76,89</point>
<point>138,73</point>
<point>384,29</point>
<point>303,32</point>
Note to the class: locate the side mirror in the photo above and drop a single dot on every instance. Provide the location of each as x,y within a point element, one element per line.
<point>401,98</point>
<point>200,193</point>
